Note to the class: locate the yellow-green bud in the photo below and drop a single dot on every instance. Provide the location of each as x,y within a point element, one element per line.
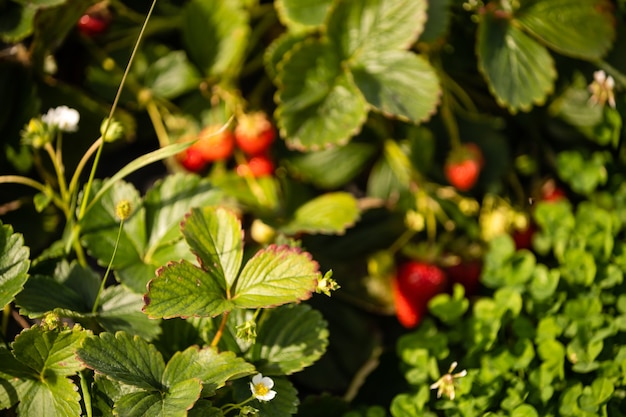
<point>123,209</point>
<point>113,131</point>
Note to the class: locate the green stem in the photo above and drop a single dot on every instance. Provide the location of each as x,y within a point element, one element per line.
<point>81,165</point>
<point>84,386</point>
<point>226,408</point>
<point>60,172</point>
<point>18,179</point>
<point>161,132</point>
<point>112,111</point>
<point>106,274</point>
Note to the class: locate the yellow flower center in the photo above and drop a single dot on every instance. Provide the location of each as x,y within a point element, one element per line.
<point>260,389</point>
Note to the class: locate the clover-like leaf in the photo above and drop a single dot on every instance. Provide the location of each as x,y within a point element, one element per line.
<point>398,84</point>
<point>519,71</point>
<point>318,103</point>
<point>289,339</point>
<point>577,28</point>
<point>14,264</point>
<point>330,213</point>
<point>364,27</point>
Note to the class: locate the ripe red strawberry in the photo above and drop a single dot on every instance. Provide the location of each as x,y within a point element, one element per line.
<point>550,191</point>
<point>414,285</point>
<point>254,133</point>
<point>463,166</point>
<point>257,166</point>
<point>215,145</point>
<point>95,21</point>
<point>466,273</point>
<point>192,159</point>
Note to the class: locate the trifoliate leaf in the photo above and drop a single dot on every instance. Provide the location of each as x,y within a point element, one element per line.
<point>369,27</point>
<point>577,28</point>
<point>398,84</point>
<point>275,275</point>
<point>289,339</point>
<point>318,103</point>
<point>127,359</point>
<point>519,71</point>
<point>329,213</point>
<point>172,75</point>
<point>14,264</point>
<point>57,397</point>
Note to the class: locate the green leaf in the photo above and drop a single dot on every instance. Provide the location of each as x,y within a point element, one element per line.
<point>524,410</point>
<point>183,290</point>
<point>583,173</point>
<point>55,397</point>
<point>302,15</point>
<point>398,84</point>
<point>601,391</point>
<point>579,267</point>
<point>276,275</point>
<point>276,51</point>
<point>172,75</point>
<point>577,28</point>
<point>124,358</point>
<point>14,264</point>
<point>215,34</point>
<point>438,22</point>
<point>214,235</point>
<point>519,71</point>
<point>49,352</point>
<point>544,282</point>
<point>16,22</point>
<point>364,27</point>
<point>333,167</point>
<point>318,103</point>
<point>120,309</point>
<point>289,339</point>
<point>449,309</point>
<point>329,213</point>
<point>213,369</point>
<point>179,398</point>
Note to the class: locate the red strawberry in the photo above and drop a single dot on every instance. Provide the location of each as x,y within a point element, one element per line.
<point>466,273</point>
<point>414,285</point>
<point>257,166</point>
<point>254,133</point>
<point>215,144</point>
<point>463,166</point>
<point>550,191</point>
<point>523,238</point>
<point>192,159</point>
<point>95,21</point>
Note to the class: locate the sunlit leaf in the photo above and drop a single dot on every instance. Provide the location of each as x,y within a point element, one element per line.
<point>301,15</point>
<point>329,213</point>
<point>14,263</point>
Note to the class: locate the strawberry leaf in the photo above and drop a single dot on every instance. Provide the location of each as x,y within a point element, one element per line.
<point>329,213</point>
<point>206,365</point>
<point>577,28</point>
<point>302,15</point>
<point>215,35</point>
<point>14,264</point>
<point>365,28</point>
<point>519,71</point>
<point>275,275</point>
<point>318,103</point>
<point>289,339</point>
<point>398,84</point>
<point>124,358</point>
<point>179,398</point>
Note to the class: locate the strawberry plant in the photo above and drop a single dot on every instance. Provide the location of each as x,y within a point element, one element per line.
<point>183,184</point>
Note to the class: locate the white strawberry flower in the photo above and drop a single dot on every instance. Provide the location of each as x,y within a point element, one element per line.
<point>64,118</point>
<point>261,387</point>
